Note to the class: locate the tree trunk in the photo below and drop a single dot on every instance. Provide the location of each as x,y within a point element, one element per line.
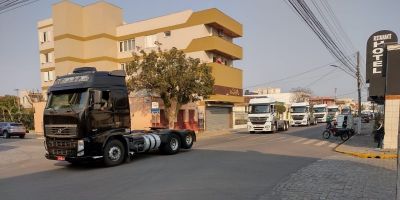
<point>171,113</point>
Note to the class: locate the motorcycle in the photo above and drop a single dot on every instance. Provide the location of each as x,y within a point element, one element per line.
<point>340,128</point>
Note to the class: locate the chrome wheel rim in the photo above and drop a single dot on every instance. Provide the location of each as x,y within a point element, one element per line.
<point>189,139</point>
<point>114,153</point>
<point>174,144</point>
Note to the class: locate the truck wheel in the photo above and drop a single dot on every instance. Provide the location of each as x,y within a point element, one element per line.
<point>114,153</point>
<point>22,136</point>
<point>6,134</point>
<point>308,122</point>
<point>171,146</point>
<point>188,142</point>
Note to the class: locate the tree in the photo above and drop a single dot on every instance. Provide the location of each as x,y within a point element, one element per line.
<point>172,76</point>
<point>301,94</point>
<point>280,109</point>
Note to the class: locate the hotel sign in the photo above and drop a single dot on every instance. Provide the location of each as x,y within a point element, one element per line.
<point>376,61</point>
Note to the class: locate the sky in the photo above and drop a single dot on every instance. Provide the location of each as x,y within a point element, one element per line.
<point>276,42</point>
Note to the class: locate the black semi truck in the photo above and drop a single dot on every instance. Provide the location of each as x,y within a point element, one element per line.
<point>87,117</point>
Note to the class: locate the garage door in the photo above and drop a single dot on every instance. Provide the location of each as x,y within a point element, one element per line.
<point>217,118</point>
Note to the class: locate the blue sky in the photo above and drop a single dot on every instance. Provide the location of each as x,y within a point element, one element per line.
<point>276,42</point>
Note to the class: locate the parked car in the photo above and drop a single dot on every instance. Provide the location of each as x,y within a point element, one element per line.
<point>8,129</point>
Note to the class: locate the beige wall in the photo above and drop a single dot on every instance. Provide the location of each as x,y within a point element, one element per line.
<point>154,23</point>
<point>38,117</point>
<point>392,109</point>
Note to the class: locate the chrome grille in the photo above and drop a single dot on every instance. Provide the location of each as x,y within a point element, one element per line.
<point>319,115</point>
<point>61,130</point>
<point>297,117</point>
<point>258,120</point>
<point>62,147</point>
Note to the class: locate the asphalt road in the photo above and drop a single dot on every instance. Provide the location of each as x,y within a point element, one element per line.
<point>231,166</point>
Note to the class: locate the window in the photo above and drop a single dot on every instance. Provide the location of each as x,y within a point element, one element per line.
<point>123,66</point>
<point>150,41</point>
<point>127,45</point>
<point>48,76</point>
<point>46,58</point>
<point>45,36</point>
<point>167,33</point>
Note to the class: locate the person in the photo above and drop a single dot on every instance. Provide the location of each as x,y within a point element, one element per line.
<point>379,134</point>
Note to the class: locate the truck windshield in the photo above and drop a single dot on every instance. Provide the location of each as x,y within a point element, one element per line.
<point>332,110</point>
<point>298,109</point>
<point>259,108</point>
<point>319,110</point>
<point>74,100</point>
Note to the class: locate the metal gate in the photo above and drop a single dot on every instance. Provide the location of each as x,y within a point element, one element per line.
<point>218,118</point>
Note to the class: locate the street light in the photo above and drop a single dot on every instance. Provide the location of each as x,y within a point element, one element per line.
<point>357,76</point>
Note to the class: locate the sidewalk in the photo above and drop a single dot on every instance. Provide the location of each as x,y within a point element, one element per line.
<point>363,145</point>
<point>208,134</point>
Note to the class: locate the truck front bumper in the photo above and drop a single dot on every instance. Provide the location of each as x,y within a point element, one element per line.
<point>259,127</point>
<point>72,158</point>
<point>298,123</point>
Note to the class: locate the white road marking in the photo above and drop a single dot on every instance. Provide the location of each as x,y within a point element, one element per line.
<point>332,145</point>
<point>299,140</point>
<point>309,141</point>
<point>321,143</point>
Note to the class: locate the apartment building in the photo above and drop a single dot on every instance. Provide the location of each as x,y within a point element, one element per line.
<point>96,35</point>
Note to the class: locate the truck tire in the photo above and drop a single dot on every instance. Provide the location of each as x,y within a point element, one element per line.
<point>187,143</point>
<point>114,153</point>
<point>172,145</point>
<point>6,134</point>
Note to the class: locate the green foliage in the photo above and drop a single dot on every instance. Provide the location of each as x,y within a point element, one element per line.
<point>280,108</point>
<point>172,76</point>
<point>11,111</point>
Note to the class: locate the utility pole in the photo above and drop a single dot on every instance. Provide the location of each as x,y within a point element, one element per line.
<point>359,92</point>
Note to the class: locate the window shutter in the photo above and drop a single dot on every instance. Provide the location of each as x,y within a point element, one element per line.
<point>49,36</point>
<point>51,56</point>
<point>41,37</point>
<point>46,76</point>
<point>42,58</point>
<point>51,75</point>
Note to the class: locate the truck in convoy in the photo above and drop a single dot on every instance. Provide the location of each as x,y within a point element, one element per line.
<point>333,112</point>
<point>263,116</point>
<point>87,117</point>
<point>301,114</point>
<point>320,112</point>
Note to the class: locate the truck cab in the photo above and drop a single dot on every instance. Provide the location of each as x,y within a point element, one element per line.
<point>262,116</point>
<point>333,112</point>
<point>87,117</point>
<point>320,112</point>
<point>301,114</point>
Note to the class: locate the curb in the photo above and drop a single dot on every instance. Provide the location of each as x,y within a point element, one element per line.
<point>365,155</point>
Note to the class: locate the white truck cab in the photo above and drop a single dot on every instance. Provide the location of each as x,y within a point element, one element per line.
<point>262,116</point>
<point>320,112</point>
<point>333,112</point>
<point>301,114</point>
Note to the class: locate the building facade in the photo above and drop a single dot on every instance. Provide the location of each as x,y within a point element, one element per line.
<point>96,35</point>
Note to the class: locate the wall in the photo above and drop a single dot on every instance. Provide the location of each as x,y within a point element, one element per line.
<point>38,117</point>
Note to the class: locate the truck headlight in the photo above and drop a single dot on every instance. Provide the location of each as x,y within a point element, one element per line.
<point>81,148</point>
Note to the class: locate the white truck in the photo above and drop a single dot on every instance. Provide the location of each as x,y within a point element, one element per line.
<point>263,116</point>
<point>301,114</point>
<point>333,112</point>
<point>320,112</point>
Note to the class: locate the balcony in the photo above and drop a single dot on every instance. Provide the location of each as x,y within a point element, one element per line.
<point>227,76</point>
<point>217,45</point>
<point>46,46</point>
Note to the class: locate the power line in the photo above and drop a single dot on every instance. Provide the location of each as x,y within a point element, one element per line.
<point>7,5</point>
